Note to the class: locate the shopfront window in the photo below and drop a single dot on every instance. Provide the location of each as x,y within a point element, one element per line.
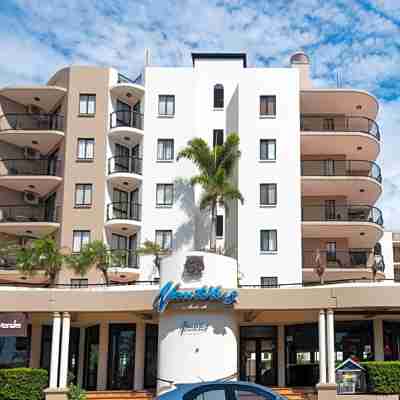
<point>15,351</point>
<point>391,340</point>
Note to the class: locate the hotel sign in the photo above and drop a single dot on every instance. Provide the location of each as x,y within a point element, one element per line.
<point>13,324</point>
<point>170,292</point>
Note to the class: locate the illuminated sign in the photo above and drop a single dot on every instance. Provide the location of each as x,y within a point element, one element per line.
<point>170,292</point>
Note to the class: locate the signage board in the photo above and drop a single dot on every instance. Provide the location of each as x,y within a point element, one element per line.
<point>13,324</point>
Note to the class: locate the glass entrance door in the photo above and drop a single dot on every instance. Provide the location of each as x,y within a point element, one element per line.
<point>121,356</point>
<point>92,336</point>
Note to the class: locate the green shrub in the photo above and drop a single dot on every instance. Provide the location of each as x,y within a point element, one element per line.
<point>22,383</point>
<point>383,376</point>
<point>75,392</point>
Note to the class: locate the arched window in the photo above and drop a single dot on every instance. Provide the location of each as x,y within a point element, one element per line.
<point>218,96</point>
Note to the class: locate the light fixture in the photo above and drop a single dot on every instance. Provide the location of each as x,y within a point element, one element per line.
<point>124,229</point>
<point>36,98</point>
<point>358,107</point>
<point>35,142</point>
<point>28,232</point>
<point>362,234</point>
<point>362,190</point>
<point>23,278</point>
<point>129,95</point>
<point>31,186</point>
<point>122,276</point>
<point>127,138</point>
<point>359,147</point>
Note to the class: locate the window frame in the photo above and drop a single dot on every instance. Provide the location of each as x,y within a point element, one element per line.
<point>86,140</point>
<point>218,96</point>
<point>163,204</point>
<point>267,114</point>
<point>81,232</point>
<point>270,285</point>
<point>79,282</point>
<point>192,394</point>
<point>267,142</point>
<point>269,250</point>
<point>163,232</point>
<point>88,96</point>
<point>269,203</point>
<point>159,141</point>
<point>166,114</point>
<point>83,205</point>
<point>218,133</point>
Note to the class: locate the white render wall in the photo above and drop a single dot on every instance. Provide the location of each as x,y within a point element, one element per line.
<point>387,252</point>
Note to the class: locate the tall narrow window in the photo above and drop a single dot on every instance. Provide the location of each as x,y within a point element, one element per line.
<point>219,227</point>
<point>165,194</point>
<point>85,150</point>
<point>218,137</point>
<point>79,240</point>
<point>164,239</point>
<point>165,149</point>
<point>83,194</point>
<point>267,106</point>
<point>166,105</point>
<point>218,96</point>
<point>268,194</point>
<point>330,209</point>
<point>87,104</point>
<point>331,251</point>
<point>269,240</point>
<point>267,149</point>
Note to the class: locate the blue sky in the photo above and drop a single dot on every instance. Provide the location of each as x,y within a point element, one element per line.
<point>359,39</point>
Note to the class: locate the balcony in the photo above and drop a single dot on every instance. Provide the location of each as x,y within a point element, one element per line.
<point>362,225</point>
<point>39,176</point>
<point>357,137</point>
<point>124,265</point>
<point>39,131</point>
<point>128,90</point>
<point>357,180</point>
<point>32,221</point>
<point>126,125</point>
<point>342,264</point>
<point>123,217</point>
<point>125,172</point>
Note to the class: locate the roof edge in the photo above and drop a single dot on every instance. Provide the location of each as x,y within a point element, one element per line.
<point>221,56</point>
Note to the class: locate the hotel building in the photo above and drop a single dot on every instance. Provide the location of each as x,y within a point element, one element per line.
<point>92,155</point>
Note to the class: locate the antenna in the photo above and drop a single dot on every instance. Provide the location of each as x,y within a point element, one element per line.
<point>146,57</point>
<point>338,80</point>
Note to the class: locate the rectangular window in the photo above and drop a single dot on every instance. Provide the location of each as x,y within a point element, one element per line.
<point>219,227</point>
<point>330,210</point>
<point>79,282</point>
<point>328,124</point>
<point>85,149</point>
<point>87,104</point>
<point>79,240</point>
<point>218,137</point>
<point>267,106</point>
<point>165,194</point>
<point>164,239</point>
<point>165,149</point>
<point>83,194</point>
<point>331,251</point>
<point>268,194</point>
<point>166,105</point>
<point>269,240</point>
<point>267,149</point>
<point>269,281</point>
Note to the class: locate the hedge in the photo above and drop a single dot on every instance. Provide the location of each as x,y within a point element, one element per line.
<point>383,376</point>
<point>22,383</point>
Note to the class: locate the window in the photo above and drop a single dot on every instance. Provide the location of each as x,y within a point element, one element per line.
<point>269,281</point>
<point>164,239</point>
<point>331,251</point>
<point>79,282</point>
<point>165,194</point>
<point>267,106</point>
<point>246,393</point>
<point>218,137</point>
<point>166,105</point>
<point>79,240</point>
<point>87,104</point>
<point>268,194</point>
<point>328,124</point>
<point>85,149</point>
<point>269,240</point>
<point>330,209</point>
<point>83,194</point>
<point>218,96</point>
<point>207,394</point>
<point>219,227</point>
<point>165,150</point>
<point>267,149</point>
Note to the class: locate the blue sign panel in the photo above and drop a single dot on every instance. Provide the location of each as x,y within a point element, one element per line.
<point>170,292</point>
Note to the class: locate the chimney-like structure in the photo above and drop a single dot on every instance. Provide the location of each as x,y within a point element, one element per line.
<point>301,61</point>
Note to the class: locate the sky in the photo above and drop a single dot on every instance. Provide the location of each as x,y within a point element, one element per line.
<point>359,40</point>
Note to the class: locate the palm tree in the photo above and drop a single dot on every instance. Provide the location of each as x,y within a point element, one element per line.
<point>152,249</point>
<point>216,166</point>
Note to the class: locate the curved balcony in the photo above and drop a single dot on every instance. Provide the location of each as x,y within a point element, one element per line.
<point>125,172</point>
<point>123,217</point>
<point>34,221</point>
<point>357,180</point>
<point>357,137</point>
<point>342,264</point>
<point>39,176</point>
<point>39,131</point>
<point>362,225</point>
<point>124,265</point>
<point>130,90</point>
<point>126,125</point>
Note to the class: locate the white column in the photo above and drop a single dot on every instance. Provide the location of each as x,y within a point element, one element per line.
<point>330,326</point>
<point>139,355</point>
<point>378,340</point>
<point>65,350</point>
<point>281,356</point>
<point>322,347</point>
<point>55,348</point>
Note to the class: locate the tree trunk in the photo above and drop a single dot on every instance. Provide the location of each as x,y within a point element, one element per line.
<point>213,238</point>
<point>106,278</point>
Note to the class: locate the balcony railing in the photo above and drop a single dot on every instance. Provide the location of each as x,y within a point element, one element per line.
<point>326,123</point>
<point>137,81</point>
<point>124,210</point>
<point>132,165</point>
<point>345,213</point>
<point>18,167</point>
<point>126,118</point>
<point>352,258</point>
<point>8,262</point>
<point>341,168</point>
<point>24,214</point>
<point>31,122</point>
<point>124,259</point>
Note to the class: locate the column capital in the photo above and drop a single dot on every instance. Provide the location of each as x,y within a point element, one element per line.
<point>66,314</point>
<point>56,314</point>
<point>321,312</point>
<point>330,311</point>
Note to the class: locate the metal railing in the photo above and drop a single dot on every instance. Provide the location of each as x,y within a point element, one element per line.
<point>121,258</point>
<point>132,165</point>
<point>352,258</point>
<point>327,123</point>
<point>23,214</point>
<point>124,210</point>
<point>341,168</point>
<point>126,118</point>
<point>31,122</point>
<point>8,262</point>
<point>26,166</point>
<point>137,81</point>
<point>346,213</point>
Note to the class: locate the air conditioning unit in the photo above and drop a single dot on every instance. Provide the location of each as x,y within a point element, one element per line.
<point>31,154</point>
<point>31,198</point>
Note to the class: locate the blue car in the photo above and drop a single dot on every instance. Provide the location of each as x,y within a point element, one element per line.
<point>219,390</point>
